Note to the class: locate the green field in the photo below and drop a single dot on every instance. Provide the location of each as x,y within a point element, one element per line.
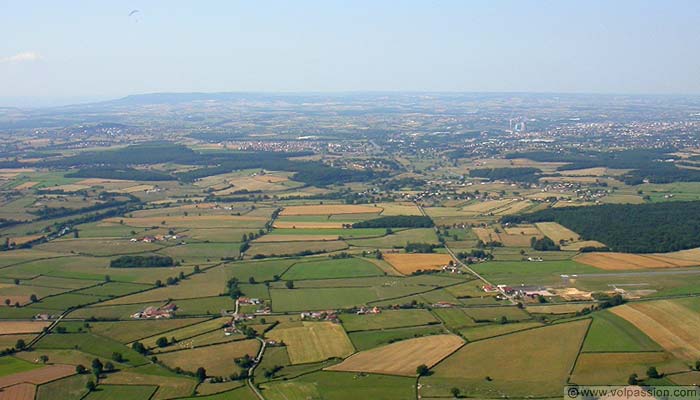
<point>387,319</point>
<point>12,365</point>
<point>341,386</point>
<point>364,340</point>
<point>610,333</point>
<point>92,344</point>
<point>534,362</point>
<point>115,392</point>
<point>330,268</point>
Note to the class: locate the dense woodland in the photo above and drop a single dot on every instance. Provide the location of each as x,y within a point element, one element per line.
<point>142,262</point>
<point>629,228</point>
<point>646,164</point>
<point>398,221</point>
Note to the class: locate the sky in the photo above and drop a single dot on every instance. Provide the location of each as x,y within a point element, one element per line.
<point>63,51</point>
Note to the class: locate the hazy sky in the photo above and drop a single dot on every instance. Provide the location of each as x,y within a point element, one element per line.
<point>94,49</point>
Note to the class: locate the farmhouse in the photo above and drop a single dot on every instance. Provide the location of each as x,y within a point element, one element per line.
<point>151,312</point>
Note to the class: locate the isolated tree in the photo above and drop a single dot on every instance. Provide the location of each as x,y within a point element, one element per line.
<point>90,386</point>
<point>80,369</point>
<point>289,284</point>
<point>653,373</point>
<point>196,269</point>
<point>8,302</point>
<point>97,366</point>
<point>201,374</point>
<point>108,278</point>
<point>697,365</point>
<point>422,370</point>
<point>633,379</point>
<point>455,392</point>
<point>16,281</point>
<point>117,356</point>
<point>251,280</point>
<point>20,345</point>
<point>139,347</point>
<point>44,358</point>
<point>109,367</point>
<point>162,341</point>
<point>33,298</point>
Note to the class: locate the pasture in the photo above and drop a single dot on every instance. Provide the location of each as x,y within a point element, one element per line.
<point>387,319</point>
<point>332,268</point>
<point>535,362</point>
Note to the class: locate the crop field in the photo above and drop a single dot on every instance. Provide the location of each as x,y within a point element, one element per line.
<point>610,333</point>
<point>625,261</point>
<point>72,387</point>
<point>557,232</point>
<point>314,341</point>
<point>410,263</point>
<point>493,314</point>
<point>386,320</point>
<point>113,392</point>
<point>187,332</point>
<point>341,386</point>
<point>364,340</point>
<point>36,375</point>
<point>329,209</point>
<point>401,358</point>
<point>216,359</point>
<point>330,268</point>
<point>534,362</point>
<point>615,368</point>
<point>170,385</point>
<point>454,318</point>
<point>291,248</point>
<point>668,323</point>
<point>480,332</point>
<point>15,327</point>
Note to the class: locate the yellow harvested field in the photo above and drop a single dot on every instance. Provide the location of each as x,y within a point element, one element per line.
<point>314,341</point>
<point>671,325</point>
<point>517,239</point>
<point>625,261</point>
<point>270,178</point>
<point>20,240</point>
<point>15,170</point>
<point>513,208</point>
<point>688,255</point>
<point>137,188</point>
<point>307,225</point>
<point>295,238</point>
<point>193,221</point>
<point>410,263</point>
<point>486,206</point>
<point>26,185</point>
<point>14,327</point>
<point>402,358</point>
<point>596,171</point>
<point>576,246</point>
<point>330,209</point>
<point>100,181</point>
<point>38,376</point>
<point>399,209</point>
<point>557,232</point>
<point>216,359</point>
<point>527,230</point>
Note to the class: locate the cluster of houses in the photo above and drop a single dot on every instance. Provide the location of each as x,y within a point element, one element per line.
<point>451,268</point>
<point>150,312</point>
<point>156,238</point>
<point>443,304</point>
<point>525,292</point>
<point>365,310</point>
<point>328,315</point>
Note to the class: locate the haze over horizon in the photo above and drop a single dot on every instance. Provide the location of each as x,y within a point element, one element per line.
<point>82,51</point>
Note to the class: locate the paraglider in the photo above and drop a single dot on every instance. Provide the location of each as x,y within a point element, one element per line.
<point>135,15</point>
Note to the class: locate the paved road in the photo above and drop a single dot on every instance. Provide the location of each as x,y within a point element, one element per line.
<point>466,267</point>
<point>251,370</point>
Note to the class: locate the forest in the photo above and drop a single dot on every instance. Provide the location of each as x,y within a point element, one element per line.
<point>397,221</point>
<point>141,262</point>
<point>628,228</point>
